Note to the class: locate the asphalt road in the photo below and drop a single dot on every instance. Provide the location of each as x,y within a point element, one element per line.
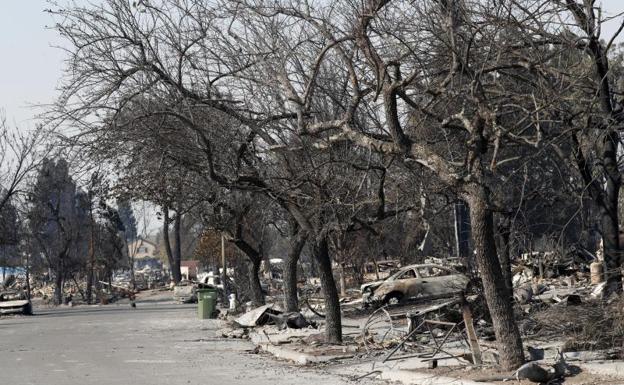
<point>156,343</point>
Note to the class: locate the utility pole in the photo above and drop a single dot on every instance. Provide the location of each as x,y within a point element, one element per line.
<point>462,234</point>
<point>224,265</point>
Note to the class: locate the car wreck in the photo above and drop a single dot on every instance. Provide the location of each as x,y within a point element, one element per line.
<point>15,302</point>
<point>186,291</point>
<point>415,282</point>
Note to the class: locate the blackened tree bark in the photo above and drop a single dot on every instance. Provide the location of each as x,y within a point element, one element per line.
<point>58,283</point>
<point>255,289</point>
<point>298,240</point>
<point>176,276</point>
<point>610,224</point>
<point>605,140</point>
<point>177,250</point>
<point>605,196</point>
<point>28,288</point>
<point>255,258</point>
<point>91,272</point>
<point>497,294</point>
<point>255,253</point>
<point>462,229</point>
<point>504,231</point>
<point>59,272</point>
<point>89,289</point>
<point>333,327</point>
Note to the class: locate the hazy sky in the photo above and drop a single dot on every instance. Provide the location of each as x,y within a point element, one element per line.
<point>30,66</point>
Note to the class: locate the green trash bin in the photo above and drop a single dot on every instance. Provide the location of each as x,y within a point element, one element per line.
<point>206,303</point>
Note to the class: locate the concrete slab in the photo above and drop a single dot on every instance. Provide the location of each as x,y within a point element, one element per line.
<point>303,357</point>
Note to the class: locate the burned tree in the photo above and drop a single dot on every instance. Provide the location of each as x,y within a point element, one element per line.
<point>433,63</point>
<point>597,134</point>
<point>275,99</point>
<point>21,154</point>
<point>55,220</point>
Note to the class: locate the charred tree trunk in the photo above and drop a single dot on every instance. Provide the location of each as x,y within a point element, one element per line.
<point>606,148</point>
<point>255,289</point>
<point>333,322</point>
<point>605,196</point>
<point>177,250</point>
<point>167,242</point>
<point>291,300</point>
<point>497,294</point>
<point>609,216</point>
<point>89,290</point>
<point>255,258</point>
<point>58,284</point>
<point>343,280</point>
<point>28,288</point>
<point>504,231</point>
<point>131,263</point>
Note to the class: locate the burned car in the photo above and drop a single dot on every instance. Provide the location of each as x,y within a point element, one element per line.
<point>15,302</point>
<point>415,282</point>
<point>186,291</point>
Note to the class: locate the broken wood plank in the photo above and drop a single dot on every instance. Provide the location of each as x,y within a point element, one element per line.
<point>470,331</point>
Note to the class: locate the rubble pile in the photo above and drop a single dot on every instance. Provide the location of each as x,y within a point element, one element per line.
<point>233,332</point>
<point>558,302</point>
<point>270,314</point>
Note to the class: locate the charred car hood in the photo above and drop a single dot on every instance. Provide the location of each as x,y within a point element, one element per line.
<point>372,286</point>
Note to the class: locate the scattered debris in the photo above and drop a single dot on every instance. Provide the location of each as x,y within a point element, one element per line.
<point>523,294</point>
<point>597,292</point>
<point>294,320</point>
<point>556,302</point>
<point>257,317</point>
<point>534,372</point>
<point>381,331</point>
<point>233,333</point>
